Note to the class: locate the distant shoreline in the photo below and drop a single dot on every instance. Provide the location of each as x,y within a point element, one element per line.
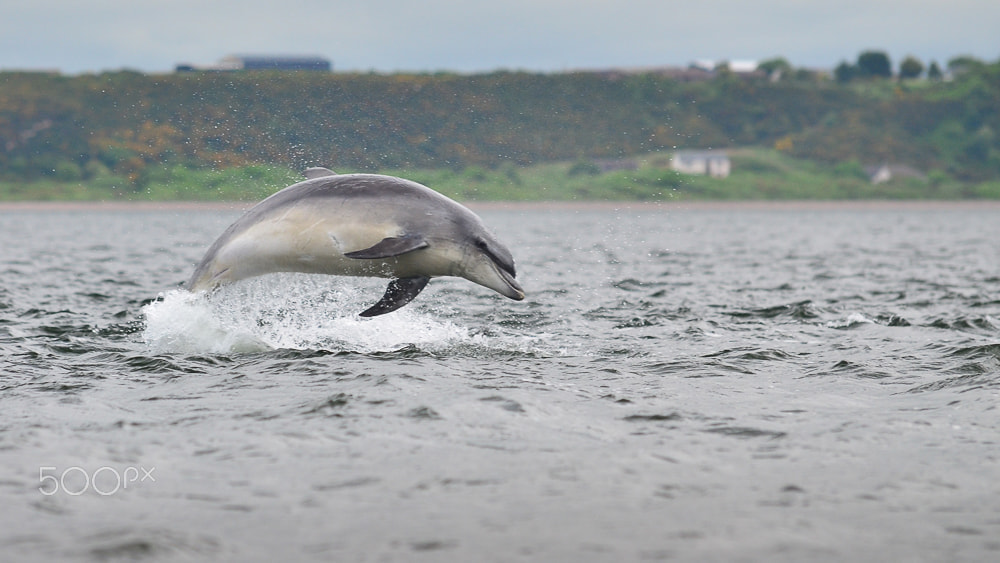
<point>777,205</point>
<point>124,205</point>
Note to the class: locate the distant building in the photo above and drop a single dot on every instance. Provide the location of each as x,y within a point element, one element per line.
<point>708,162</point>
<point>736,65</point>
<point>742,66</point>
<point>263,62</point>
<point>697,71</point>
<point>886,172</point>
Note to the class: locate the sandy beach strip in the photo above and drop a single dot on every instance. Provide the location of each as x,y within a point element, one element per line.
<point>577,206</point>
<point>98,206</point>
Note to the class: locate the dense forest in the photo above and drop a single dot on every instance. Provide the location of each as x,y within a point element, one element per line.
<point>128,125</point>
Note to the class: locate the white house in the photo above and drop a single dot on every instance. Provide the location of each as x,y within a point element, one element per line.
<point>886,172</point>
<point>713,163</point>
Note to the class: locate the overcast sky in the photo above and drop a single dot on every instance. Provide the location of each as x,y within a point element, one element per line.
<point>473,36</point>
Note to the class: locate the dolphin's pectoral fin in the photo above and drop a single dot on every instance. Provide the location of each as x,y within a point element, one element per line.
<point>317,172</point>
<point>389,247</point>
<point>400,292</point>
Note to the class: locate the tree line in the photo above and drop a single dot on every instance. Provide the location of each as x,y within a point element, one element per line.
<point>75,128</point>
<point>878,64</point>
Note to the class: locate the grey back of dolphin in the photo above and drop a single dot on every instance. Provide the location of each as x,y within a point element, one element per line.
<point>360,225</point>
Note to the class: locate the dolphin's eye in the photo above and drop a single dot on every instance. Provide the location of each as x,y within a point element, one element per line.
<point>481,244</point>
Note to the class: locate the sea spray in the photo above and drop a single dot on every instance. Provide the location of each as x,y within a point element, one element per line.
<point>185,323</point>
<point>291,311</point>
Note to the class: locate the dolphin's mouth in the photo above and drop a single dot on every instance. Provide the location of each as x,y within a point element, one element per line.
<point>504,268</point>
<point>513,289</point>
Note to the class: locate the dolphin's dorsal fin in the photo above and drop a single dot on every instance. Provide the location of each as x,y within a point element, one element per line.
<point>317,172</point>
<point>389,247</point>
<point>400,292</point>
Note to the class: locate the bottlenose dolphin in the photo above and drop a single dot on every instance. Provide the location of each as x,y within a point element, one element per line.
<point>360,225</point>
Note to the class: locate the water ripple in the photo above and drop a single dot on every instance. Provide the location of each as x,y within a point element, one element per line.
<point>660,398</point>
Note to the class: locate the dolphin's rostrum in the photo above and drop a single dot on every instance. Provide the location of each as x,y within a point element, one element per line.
<point>360,225</point>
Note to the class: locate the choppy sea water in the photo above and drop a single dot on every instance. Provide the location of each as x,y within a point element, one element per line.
<point>691,383</point>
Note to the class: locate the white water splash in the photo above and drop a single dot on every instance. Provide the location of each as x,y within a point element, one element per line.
<point>852,320</point>
<point>290,311</point>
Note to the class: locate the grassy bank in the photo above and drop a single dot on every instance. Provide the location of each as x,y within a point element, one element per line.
<point>757,174</point>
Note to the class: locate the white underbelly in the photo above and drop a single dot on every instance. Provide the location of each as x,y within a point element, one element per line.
<point>298,241</point>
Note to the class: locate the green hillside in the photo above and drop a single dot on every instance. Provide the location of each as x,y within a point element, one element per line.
<point>503,135</point>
